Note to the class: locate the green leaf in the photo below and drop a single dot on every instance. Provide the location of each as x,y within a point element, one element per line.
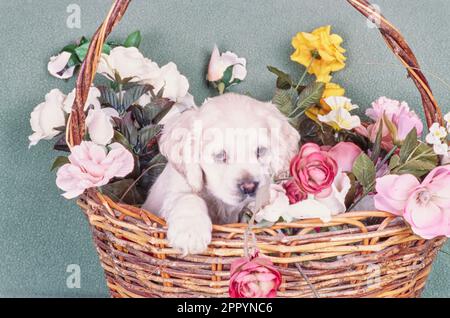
<point>150,112</point>
<point>394,162</point>
<point>409,145</point>
<point>417,168</point>
<point>420,162</point>
<point>133,94</point>
<point>165,105</point>
<point>148,133</point>
<point>69,48</point>
<point>121,139</point>
<point>227,75</point>
<point>133,40</point>
<point>117,189</point>
<point>364,171</point>
<point>108,96</point>
<point>284,80</point>
<point>377,144</point>
<point>309,97</point>
<point>59,162</point>
<point>81,50</point>
<point>283,100</point>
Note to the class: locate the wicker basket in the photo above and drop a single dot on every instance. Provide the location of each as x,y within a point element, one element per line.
<point>382,259</point>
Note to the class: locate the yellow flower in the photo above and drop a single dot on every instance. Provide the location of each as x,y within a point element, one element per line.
<point>332,89</point>
<point>320,51</point>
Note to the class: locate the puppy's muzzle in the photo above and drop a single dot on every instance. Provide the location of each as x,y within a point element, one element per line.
<point>248,187</point>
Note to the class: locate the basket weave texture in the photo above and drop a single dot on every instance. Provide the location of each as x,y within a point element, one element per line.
<point>357,254</point>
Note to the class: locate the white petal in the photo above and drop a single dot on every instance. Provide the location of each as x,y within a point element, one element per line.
<point>58,63</point>
<point>310,208</point>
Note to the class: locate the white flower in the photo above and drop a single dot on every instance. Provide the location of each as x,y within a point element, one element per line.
<point>336,200</point>
<point>128,62</point>
<point>441,149</point>
<point>279,208</point>
<point>278,205</point>
<point>99,124</point>
<point>309,209</point>
<point>338,102</point>
<point>47,116</point>
<point>436,134</point>
<point>57,66</point>
<point>340,119</point>
<point>447,120</point>
<point>92,99</point>
<point>175,84</point>
<point>220,62</point>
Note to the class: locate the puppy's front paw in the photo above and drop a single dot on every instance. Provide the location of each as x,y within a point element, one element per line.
<point>191,235</point>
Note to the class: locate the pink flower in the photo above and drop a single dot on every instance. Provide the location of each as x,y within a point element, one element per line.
<point>92,166</point>
<point>254,278</point>
<point>398,115</point>
<point>313,170</point>
<point>293,192</point>
<point>426,206</point>
<point>345,154</point>
<point>220,62</point>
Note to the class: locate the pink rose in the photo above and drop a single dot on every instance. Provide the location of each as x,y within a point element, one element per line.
<point>293,192</point>
<point>254,278</point>
<point>426,206</point>
<point>313,170</point>
<point>92,166</point>
<point>398,114</point>
<point>345,154</point>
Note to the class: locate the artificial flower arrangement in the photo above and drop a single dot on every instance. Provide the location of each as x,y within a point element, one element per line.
<point>344,163</point>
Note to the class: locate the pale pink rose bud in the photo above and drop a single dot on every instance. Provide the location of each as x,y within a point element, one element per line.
<point>220,62</point>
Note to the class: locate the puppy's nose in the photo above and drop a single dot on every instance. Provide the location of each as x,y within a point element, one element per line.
<point>248,187</point>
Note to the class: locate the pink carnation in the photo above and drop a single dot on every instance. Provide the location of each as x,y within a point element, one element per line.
<point>425,206</point>
<point>92,166</point>
<point>398,114</point>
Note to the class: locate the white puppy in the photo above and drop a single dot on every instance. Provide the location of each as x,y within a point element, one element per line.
<point>218,156</point>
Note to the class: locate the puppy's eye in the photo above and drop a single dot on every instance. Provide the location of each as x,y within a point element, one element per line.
<point>261,152</point>
<point>221,157</point>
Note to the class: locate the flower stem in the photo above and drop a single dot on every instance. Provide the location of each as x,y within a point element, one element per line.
<point>389,155</point>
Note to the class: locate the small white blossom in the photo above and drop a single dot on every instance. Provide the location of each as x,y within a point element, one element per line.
<point>441,149</point>
<point>436,135</point>
<point>447,120</point>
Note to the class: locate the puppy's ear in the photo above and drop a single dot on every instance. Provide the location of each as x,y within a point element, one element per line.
<point>285,140</point>
<point>179,143</point>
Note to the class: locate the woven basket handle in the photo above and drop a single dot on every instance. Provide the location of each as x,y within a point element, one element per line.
<point>76,124</point>
<point>392,37</point>
<point>401,49</point>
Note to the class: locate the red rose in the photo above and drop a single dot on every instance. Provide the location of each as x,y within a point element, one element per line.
<point>254,278</point>
<point>293,192</point>
<point>313,170</point>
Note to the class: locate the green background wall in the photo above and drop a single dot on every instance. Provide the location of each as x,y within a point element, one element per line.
<point>41,233</point>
